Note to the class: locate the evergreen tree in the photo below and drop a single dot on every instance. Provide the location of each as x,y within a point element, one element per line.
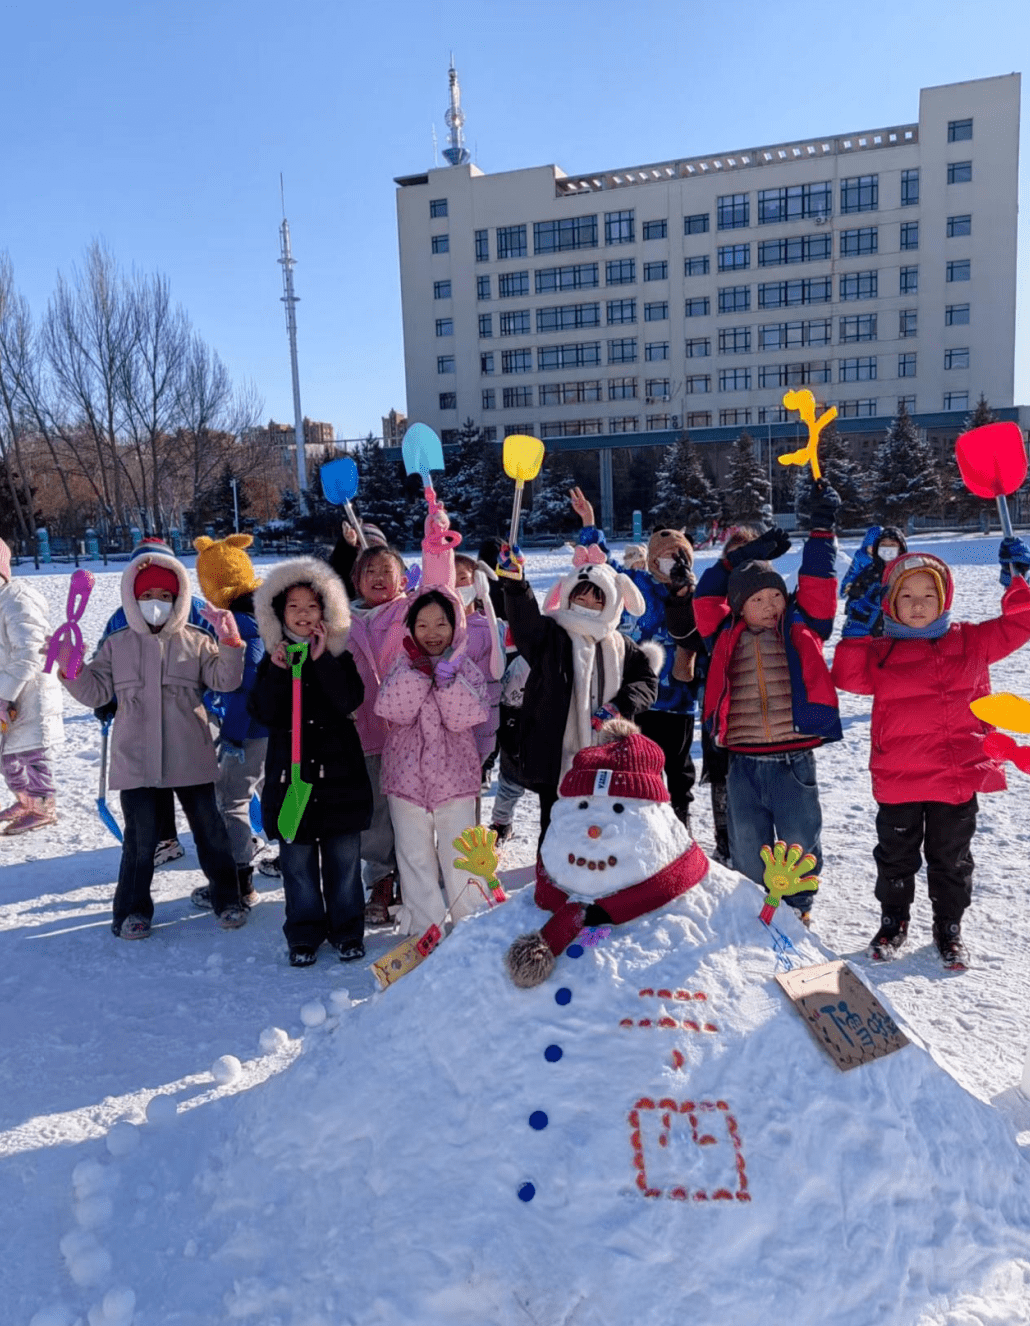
<point>382,493</point>
<point>960,505</point>
<point>684,496</point>
<point>844,474</point>
<point>748,488</point>
<point>905,481</point>
<point>551,511</point>
<point>214,506</point>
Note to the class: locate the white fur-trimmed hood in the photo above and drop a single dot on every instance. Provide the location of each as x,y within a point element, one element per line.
<point>183,600</point>
<point>325,583</point>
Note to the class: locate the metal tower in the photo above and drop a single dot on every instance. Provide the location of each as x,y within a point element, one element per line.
<point>454,117</point>
<point>290,299</point>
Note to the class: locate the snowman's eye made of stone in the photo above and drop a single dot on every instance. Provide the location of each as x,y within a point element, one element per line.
<point>618,807</point>
<point>583,805</point>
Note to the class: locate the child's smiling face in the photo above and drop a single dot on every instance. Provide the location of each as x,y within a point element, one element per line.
<point>302,611</point>
<point>762,611</point>
<point>917,603</point>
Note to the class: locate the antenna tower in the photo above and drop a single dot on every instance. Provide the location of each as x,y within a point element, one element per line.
<point>454,117</point>
<point>290,300</point>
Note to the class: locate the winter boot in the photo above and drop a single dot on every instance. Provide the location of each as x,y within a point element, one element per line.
<point>377,909</point>
<point>14,809</point>
<point>889,938</point>
<point>248,893</point>
<point>721,824</point>
<point>947,935</point>
<point>168,850</point>
<point>34,813</point>
<point>503,831</point>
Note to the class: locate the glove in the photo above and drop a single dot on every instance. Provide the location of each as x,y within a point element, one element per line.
<point>419,661</point>
<point>766,548</point>
<point>824,507</point>
<point>602,715</point>
<point>224,624</point>
<point>510,562</point>
<point>446,670</point>
<point>229,750</point>
<point>1014,555</point>
<point>681,576</point>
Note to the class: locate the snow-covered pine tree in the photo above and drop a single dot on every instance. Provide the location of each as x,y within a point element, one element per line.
<point>748,488</point>
<point>685,498</point>
<point>382,496</point>
<point>845,475</point>
<point>551,513</point>
<point>905,479</point>
<point>960,504</point>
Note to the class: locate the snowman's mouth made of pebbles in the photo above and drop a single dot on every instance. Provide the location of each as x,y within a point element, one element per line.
<point>597,845</point>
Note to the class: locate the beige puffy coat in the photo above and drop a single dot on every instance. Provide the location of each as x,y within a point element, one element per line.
<point>161,736</point>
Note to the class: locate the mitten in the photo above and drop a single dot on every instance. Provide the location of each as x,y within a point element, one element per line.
<point>412,577</point>
<point>229,750</point>
<point>446,670</point>
<point>602,715</point>
<point>766,548</point>
<point>824,507</point>
<point>1014,555</point>
<point>224,624</point>
<point>681,576</point>
<point>510,562</point>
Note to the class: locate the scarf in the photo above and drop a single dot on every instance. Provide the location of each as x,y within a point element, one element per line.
<point>591,639</point>
<point>897,631</point>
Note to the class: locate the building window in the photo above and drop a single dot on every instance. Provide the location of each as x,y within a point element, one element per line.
<point>656,271</point>
<point>575,354</point>
<point>908,403</point>
<point>956,400</point>
<point>734,299</point>
<point>780,294</point>
<point>907,365</point>
<point>697,308</point>
<point>489,397</point>
<point>908,281</point>
<point>909,235</point>
<point>486,324</point>
<point>958,271</point>
<point>618,227</point>
<point>566,317</point>
<point>857,370</point>
<point>956,315</point>
<point>794,203</point>
<point>482,246</point>
<point>772,414</point>
<point>449,436</point>
<point>621,310</point>
<point>662,422</point>
<point>570,393</point>
<point>522,430</point>
<point>517,398</point>
<point>862,327</point>
<point>696,266</point>
<point>855,243</point>
<point>734,256</point>
<point>957,358</point>
<point>696,224</point>
<point>441,289</point>
<point>799,248</point>
<point>512,285</point>
<point>448,400</point>
<point>959,225</point>
<point>517,361</point>
<point>858,285</point>
<point>572,428</point>
<point>482,287</point>
<point>441,243</point>
<point>655,350</point>
<point>657,312</point>
<point>735,341</point>
<point>793,375</point>
<point>699,348</point>
<point>908,323</point>
<point>622,389</point>
<point>656,229</point>
<point>735,379</point>
<point>734,211</point>
<point>790,335</point>
<point>515,324</point>
<point>734,417</point>
<point>699,419</point>
<point>860,193</point>
<point>438,206</point>
<point>624,423</point>
<point>699,384</point>
<point>864,409</point>
<point>959,130</point>
<point>445,364</point>
<point>621,271</point>
<point>511,242</point>
<point>445,326</point>
<point>486,363</point>
<point>960,172</point>
<point>580,276</point>
<point>490,433</point>
<point>657,389</point>
<point>623,351</point>
<point>575,232</point>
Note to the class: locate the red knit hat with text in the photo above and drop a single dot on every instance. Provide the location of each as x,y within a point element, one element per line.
<point>630,767</point>
<point>156,577</point>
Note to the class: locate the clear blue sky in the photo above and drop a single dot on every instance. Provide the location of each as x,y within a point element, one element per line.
<point>162,128</point>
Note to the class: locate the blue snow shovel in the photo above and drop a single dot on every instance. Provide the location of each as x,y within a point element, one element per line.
<point>103,809</point>
<point>339,487</point>
<point>422,452</point>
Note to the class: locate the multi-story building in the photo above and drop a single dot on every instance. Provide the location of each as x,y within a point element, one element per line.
<point>872,267</point>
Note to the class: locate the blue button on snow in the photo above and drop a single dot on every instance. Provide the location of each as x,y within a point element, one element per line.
<point>575,950</point>
<point>563,996</point>
<point>553,1053</point>
<point>538,1120</point>
<point>527,1192</point>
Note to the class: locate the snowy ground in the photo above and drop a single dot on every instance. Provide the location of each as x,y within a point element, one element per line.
<point>193,1131</point>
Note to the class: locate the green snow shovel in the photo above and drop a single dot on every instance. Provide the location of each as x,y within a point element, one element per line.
<point>298,792</point>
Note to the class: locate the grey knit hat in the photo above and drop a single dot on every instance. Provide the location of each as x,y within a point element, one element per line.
<point>749,579</point>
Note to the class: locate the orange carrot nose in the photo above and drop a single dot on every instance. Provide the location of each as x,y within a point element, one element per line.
<point>594,831</point>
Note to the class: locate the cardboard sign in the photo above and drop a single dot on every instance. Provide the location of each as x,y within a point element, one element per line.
<point>845,1017</point>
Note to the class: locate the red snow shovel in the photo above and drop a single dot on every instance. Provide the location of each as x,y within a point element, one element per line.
<point>992,462</point>
<point>298,792</point>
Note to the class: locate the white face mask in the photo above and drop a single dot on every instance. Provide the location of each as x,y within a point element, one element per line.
<point>888,554</point>
<point>584,611</point>
<point>155,611</point>
<point>467,594</point>
<point>665,565</point>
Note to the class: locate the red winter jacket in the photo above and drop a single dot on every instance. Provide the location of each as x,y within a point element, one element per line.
<point>927,744</point>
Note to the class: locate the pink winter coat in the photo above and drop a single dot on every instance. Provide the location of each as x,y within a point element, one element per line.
<point>926,743</point>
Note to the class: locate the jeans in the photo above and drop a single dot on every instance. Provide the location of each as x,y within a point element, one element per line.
<point>945,833</point>
<point>327,903</point>
<point>237,783</point>
<point>509,791</point>
<point>142,808</point>
<point>774,797</point>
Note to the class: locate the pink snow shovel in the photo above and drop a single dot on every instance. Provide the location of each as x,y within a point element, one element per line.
<point>66,647</point>
<point>297,794</point>
<point>992,461</point>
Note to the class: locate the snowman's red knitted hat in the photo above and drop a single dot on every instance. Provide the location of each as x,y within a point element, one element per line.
<point>629,767</point>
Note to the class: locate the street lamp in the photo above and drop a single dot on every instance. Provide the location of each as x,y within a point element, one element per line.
<point>235,508</point>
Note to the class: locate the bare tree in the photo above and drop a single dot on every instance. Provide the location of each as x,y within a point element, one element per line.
<point>15,342</point>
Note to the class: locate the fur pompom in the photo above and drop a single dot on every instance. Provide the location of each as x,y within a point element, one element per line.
<point>616,729</point>
<point>529,960</point>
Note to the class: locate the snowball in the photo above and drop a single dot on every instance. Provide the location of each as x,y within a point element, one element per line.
<point>93,1210</point>
<point>161,1110</point>
<point>340,1000</point>
<point>123,1138</point>
<point>88,1262</point>
<point>226,1069</point>
<point>313,1014</point>
<point>89,1176</point>
<point>273,1039</point>
<point>116,1309</point>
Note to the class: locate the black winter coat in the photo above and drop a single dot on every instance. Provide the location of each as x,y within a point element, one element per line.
<point>331,756</point>
<point>549,688</point>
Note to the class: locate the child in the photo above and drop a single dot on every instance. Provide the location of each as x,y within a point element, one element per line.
<point>30,705</point>
<point>303,600</point>
<point>768,695</point>
<point>862,589</point>
<point>158,669</point>
<point>926,757</point>
<point>432,699</point>
<point>582,669</point>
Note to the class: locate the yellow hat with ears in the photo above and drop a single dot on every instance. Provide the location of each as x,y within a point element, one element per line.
<point>224,569</point>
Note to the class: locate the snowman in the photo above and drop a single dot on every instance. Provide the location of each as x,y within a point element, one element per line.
<point>613,851</point>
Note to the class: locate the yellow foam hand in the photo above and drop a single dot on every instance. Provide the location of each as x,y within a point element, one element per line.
<point>480,855</point>
<point>804,402</point>
<point>786,872</point>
